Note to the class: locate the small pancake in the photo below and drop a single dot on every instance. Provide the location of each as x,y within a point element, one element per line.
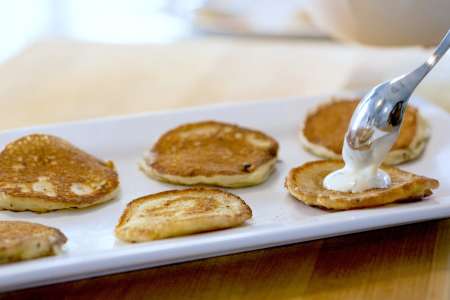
<point>180,212</point>
<point>306,184</point>
<point>25,240</point>
<point>42,173</point>
<point>324,130</point>
<point>212,153</point>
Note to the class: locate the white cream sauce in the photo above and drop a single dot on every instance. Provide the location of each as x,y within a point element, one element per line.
<point>361,171</point>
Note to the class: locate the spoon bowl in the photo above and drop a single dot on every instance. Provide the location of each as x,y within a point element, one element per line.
<point>376,121</point>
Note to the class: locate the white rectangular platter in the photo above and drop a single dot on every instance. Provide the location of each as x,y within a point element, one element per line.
<point>278,218</point>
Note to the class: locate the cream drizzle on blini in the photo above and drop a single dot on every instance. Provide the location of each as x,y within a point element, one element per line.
<point>362,168</point>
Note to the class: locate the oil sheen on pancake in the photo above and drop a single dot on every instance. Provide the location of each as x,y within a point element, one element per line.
<point>42,172</point>
<point>212,153</point>
<point>180,212</point>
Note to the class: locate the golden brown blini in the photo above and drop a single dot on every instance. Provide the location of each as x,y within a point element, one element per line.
<point>24,240</point>
<point>323,131</point>
<point>180,212</point>
<point>42,173</point>
<point>212,153</point>
<point>305,183</point>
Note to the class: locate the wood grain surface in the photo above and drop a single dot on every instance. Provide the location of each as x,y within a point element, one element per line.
<point>59,80</point>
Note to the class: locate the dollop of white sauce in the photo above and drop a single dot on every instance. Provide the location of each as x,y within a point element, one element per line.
<point>361,171</point>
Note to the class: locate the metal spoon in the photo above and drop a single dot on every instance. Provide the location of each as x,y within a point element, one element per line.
<point>376,121</point>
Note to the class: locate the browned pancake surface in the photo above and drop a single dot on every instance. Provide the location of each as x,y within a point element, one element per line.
<point>47,167</point>
<point>25,240</point>
<point>180,212</point>
<point>306,184</point>
<point>13,233</point>
<point>211,148</point>
<point>327,125</point>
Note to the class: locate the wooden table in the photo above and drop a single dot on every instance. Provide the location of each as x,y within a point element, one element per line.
<point>61,80</point>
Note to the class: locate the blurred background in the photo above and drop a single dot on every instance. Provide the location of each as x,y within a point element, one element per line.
<point>90,58</point>
<point>146,21</point>
<point>382,22</point>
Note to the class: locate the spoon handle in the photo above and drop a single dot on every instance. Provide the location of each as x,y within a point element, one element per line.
<point>440,50</point>
<point>413,79</point>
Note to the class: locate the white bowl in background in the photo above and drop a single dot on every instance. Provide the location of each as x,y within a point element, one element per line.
<point>383,22</point>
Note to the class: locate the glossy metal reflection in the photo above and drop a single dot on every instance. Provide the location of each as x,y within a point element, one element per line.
<point>377,118</point>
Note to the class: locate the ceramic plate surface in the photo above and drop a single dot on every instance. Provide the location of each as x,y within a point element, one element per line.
<point>278,218</point>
